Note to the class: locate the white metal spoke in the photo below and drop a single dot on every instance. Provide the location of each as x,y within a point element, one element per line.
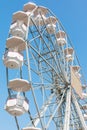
<point>68,109</point>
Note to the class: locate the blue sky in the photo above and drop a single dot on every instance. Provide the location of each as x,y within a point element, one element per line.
<point>73,16</point>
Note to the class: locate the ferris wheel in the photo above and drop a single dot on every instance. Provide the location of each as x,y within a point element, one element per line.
<point>46,87</point>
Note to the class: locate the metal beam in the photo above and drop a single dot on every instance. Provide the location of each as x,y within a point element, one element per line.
<point>79,112</point>
<point>55,111</point>
<point>68,109</point>
<point>29,72</point>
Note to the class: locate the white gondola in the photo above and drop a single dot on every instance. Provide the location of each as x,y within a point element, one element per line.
<point>13,59</point>
<point>29,7</point>
<point>31,128</point>
<point>84,107</point>
<point>18,28</point>
<point>19,85</point>
<point>51,28</point>
<point>84,86</point>
<point>19,25</point>
<point>85,116</point>
<point>21,16</point>
<point>40,20</point>
<point>68,54</point>
<point>41,10</point>
<point>51,20</point>
<point>51,24</point>
<point>61,38</point>
<point>16,105</point>
<point>16,42</point>
<point>84,95</point>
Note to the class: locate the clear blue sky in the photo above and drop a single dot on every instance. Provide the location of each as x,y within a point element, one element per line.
<point>72,14</point>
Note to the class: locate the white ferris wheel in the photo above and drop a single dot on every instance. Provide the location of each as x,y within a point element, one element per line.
<point>46,87</point>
